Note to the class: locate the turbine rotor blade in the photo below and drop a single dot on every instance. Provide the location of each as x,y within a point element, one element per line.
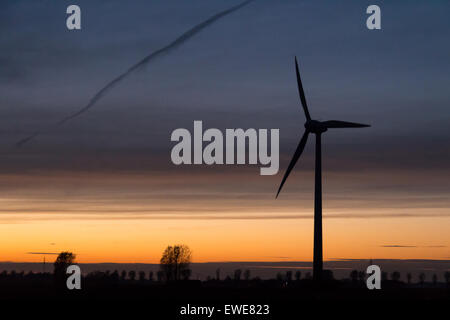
<point>301,92</point>
<point>343,124</point>
<point>294,159</point>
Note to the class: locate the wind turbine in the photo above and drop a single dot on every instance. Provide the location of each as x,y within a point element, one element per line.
<point>316,127</point>
<point>43,254</point>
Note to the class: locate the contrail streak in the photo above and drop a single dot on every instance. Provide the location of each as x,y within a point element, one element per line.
<point>171,46</point>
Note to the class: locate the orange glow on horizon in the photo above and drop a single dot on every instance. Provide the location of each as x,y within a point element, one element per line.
<point>131,219</point>
<point>142,241</point>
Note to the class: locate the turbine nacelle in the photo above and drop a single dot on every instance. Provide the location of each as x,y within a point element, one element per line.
<point>315,126</point>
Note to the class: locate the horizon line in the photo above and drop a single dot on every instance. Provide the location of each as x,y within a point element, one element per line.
<point>261,261</point>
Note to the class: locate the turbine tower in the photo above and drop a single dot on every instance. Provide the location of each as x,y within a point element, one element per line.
<point>316,127</point>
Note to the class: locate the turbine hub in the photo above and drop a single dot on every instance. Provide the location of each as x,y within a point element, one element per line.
<point>315,126</point>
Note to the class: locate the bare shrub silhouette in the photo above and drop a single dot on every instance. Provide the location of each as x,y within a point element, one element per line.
<point>186,274</point>
<point>279,277</point>
<point>409,278</point>
<point>218,274</point>
<point>354,275</point>
<point>288,276</point>
<point>422,278</point>
<point>237,274</point>
<point>175,262</point>
<point>395,276</point>
<point>361,276</point>
<point>63,260</point>
<point>115,276</point>
<point>60,265</point>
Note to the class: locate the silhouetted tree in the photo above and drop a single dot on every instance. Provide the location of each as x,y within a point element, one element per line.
<point>327,275</point>
<point>60,265</point>
<point>354,275</point>
<point>279,276</point>
<point>141,276</point>
<point>132,275</point>
<point>115,276</point>
<point>186,274</point>
<point>237,274</point>
<point>298,275</point>
<point>174,261</point>
<point>63,260</point>
<point>150,276</point>
<point>160,275</point>
<point>288,276</point>
<point>218,274</point>
<point>422,278</point>
<point>435,279</point>
<point>409,277</point>
<point>123,275</point>
<point>361,276</point>
<point>247,274</point>
<point>395,276</point>
<point>447,277</point>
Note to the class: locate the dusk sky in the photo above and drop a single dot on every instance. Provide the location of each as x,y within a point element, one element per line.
<point>103,184</point>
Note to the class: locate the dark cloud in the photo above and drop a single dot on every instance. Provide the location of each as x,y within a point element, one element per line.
<point>374,77</point>
<point>186,214</point>
<point>397,246</point>
<point>239,74</point>
<point>50,253</point>
<point>403,246</point>
<point>160,52</point>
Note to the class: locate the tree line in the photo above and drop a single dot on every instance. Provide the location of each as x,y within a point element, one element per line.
<point>175,266</point>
